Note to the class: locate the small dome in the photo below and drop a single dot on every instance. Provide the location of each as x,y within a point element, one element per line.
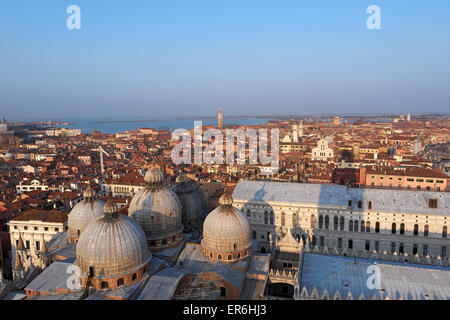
<point>83,213</point>
<point>226,200</point>
<point>110,208</point>
<point>89,193</point>
<point>113,244</point>
<point>226,232</point>
<point>154,176</point>
<point>157,209</point>
<point>181,178</point>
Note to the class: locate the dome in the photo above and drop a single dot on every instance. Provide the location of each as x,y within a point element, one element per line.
<point>181,178</point>
<point>115,246</point>
<point>157,209</point>
<point>226,232</point>
<point>154,176</point>
<point>191,199</point>
<point>84,212</point>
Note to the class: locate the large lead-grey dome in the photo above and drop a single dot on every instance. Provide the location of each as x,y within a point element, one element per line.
<point>226,232</point>
<point>114,245</point>
<point>157,209</point>
<point>84,212</point>
<point>190,197</point>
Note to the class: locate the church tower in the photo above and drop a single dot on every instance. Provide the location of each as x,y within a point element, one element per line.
<point>220,119</point>
<point>295,133</point>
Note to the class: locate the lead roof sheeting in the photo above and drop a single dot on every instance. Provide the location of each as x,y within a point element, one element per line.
<point>53,277</point>
<point>163,284</point>
<point>399,280</point>
<point>383,200</point>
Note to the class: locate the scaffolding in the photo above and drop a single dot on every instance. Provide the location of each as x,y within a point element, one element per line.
<point>204,287</point>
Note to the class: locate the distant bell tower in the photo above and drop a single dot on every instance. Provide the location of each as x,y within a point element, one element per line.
<point>220,119</point>
<point>3,125</point>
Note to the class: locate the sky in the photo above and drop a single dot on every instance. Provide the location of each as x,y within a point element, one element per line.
<point>169,58</point>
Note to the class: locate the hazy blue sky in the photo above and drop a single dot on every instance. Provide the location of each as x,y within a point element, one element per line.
<point>174,58</point>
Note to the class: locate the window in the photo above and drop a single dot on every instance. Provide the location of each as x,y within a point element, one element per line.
<point>414,249</point>
<point>336,223</point>
<point>27,244</point>
<point>377,227</point>
<point>320,222</point>
<point>229,257</point>
<point>248,213</point>
<point>120,282</point>
<point>271,218</point>
<point>349,203</point>
<point>266,217</point>
<point>342,222</point>
<point>368,226</point>
<point>355,226</point>
<point>340,243</point>
<point>425,250</point>
<point>46,229</point>
<point>283,218</point>
<point>56,229</point>
<point>394,228</point>
<point>134,277</point>
<point>313,222</point>
<point>401,248</point>
<point>393,247</point>
<point>377,246</point>
<point>223,292</point>
<point>38,245</point>
<point>219,257</point>
<point>367,245</point>
<point>314,240</point>
<point>363,226</point>
<point>444,232</point>
<point>294,219</point>
<point>432,203</point>
<point>425,231</point>
<point>350,225</point>
<point>370,205</point>
<point>350,244</point>
<point>104,285</point>
<point>443,252</point>
<point>416,229</point>
<point>359,204</point>
<point>327,222</point>
<point>402,228</point>
<point>254,234</point>
<point>322,241</point>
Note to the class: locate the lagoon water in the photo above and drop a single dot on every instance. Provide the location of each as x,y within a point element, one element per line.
<point>114,125</point>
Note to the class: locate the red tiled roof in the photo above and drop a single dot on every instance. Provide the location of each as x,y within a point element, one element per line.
<point>42,215</point>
